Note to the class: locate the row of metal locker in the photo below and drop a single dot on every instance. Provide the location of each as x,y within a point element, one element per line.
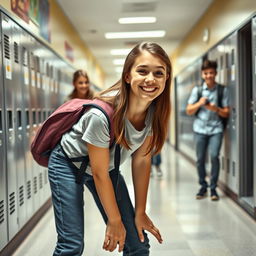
<point>236,58</point>
<point>34,81</point>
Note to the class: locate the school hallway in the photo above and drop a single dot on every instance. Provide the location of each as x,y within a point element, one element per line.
<point>189,227</point>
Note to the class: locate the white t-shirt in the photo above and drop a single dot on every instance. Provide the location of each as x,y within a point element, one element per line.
<point>93,128</point>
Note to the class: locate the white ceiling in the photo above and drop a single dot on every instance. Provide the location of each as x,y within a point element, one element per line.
<point>93,18</point>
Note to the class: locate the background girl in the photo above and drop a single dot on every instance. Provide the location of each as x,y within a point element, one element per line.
<point>81,84</point>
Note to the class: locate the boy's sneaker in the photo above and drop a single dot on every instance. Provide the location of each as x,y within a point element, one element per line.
<point>214,195</point>
<point>201,193</point>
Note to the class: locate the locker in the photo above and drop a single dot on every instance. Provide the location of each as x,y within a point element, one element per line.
<point>8,52</point>
<point>33,106</point>
<point>35,90</point>
<point>233,128</point>
<point>19,126</point>
<point>24,77</point>
<point>185,82</point>
<point>225,53</point>
<point>254,104</point>
<point>218,53</point>
<point>3,187</point>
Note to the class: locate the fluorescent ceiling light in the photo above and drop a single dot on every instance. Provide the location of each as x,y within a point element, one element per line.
<point>118,61</point>
<point>137,34</point>
<point>134,20</point>
<point>119,51</point>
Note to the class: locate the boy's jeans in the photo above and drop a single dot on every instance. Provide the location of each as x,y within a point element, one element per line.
<point>213,143</point>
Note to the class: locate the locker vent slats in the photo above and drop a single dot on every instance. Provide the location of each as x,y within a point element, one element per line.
<point>40,180</point>
<point>24,57</point>
<point>29,189</point>
<point>12,203</point>
<point>16,52</point>
<point>32,61</point>
<point>2,212</point>
<point>35,185</point>
<point>45,177</point>
<point>233,168</point>
<point>21,195</point>
<point>6,47</point>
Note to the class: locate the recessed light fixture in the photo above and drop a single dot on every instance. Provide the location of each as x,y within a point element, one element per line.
<point>119,51</point>
<point>137,20</point>
<point>118,61</point>
<point>137,34</point>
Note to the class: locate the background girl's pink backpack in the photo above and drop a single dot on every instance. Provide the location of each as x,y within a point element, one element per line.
<point>60,122</point>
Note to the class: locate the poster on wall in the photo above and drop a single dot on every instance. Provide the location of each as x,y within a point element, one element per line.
<point>34,11</point>
<point>44,18</point>
<point>38,11</point>
<point>69,51</point>
<point>21,8</point>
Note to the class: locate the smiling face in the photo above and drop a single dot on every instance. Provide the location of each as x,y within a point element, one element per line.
<point>147,77</point>
<point>82,86</point>
<point>209,75</point>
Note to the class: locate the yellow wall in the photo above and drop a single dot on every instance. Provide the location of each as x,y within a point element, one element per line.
<point>221,18</point>
<point>62,30</point>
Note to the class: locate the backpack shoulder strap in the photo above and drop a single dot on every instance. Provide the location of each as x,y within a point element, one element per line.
<point>220,89</point>
<point>199,95</point>
<point>199,91</point>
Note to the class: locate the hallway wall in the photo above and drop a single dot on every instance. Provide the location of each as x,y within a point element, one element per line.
<point>62,31</point>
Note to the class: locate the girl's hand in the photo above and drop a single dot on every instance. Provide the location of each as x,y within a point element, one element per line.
<point>115,234</point>
<point>143,222</point>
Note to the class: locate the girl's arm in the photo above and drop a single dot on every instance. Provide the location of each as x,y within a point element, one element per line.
<point>115,232</point>
<point>141,165</point>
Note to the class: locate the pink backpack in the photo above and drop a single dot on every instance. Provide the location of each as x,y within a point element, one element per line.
<point>60,122</point>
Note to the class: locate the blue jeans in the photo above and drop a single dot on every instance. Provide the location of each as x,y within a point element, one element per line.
<point>213,144</point>
<point>68,202</point>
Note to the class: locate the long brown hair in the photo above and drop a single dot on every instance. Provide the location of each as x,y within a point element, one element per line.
<point>162,104</point>
<point>76,75</point>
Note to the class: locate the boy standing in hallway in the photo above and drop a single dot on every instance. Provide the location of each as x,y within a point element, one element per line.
<point>210,105</point>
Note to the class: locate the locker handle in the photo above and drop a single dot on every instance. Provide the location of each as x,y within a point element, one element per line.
<point>19,117</point>
<point>1,121</point>
<point>10,119</point>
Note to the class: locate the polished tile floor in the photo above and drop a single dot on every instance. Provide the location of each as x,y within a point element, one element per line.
<point>189,227</point>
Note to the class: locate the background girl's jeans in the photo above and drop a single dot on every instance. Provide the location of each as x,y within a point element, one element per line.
<point>68,202</point>
<point>213,144</point>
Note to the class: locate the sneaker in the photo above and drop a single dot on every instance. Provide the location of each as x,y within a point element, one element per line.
<point>214,195</point>
<point>201,193</point>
